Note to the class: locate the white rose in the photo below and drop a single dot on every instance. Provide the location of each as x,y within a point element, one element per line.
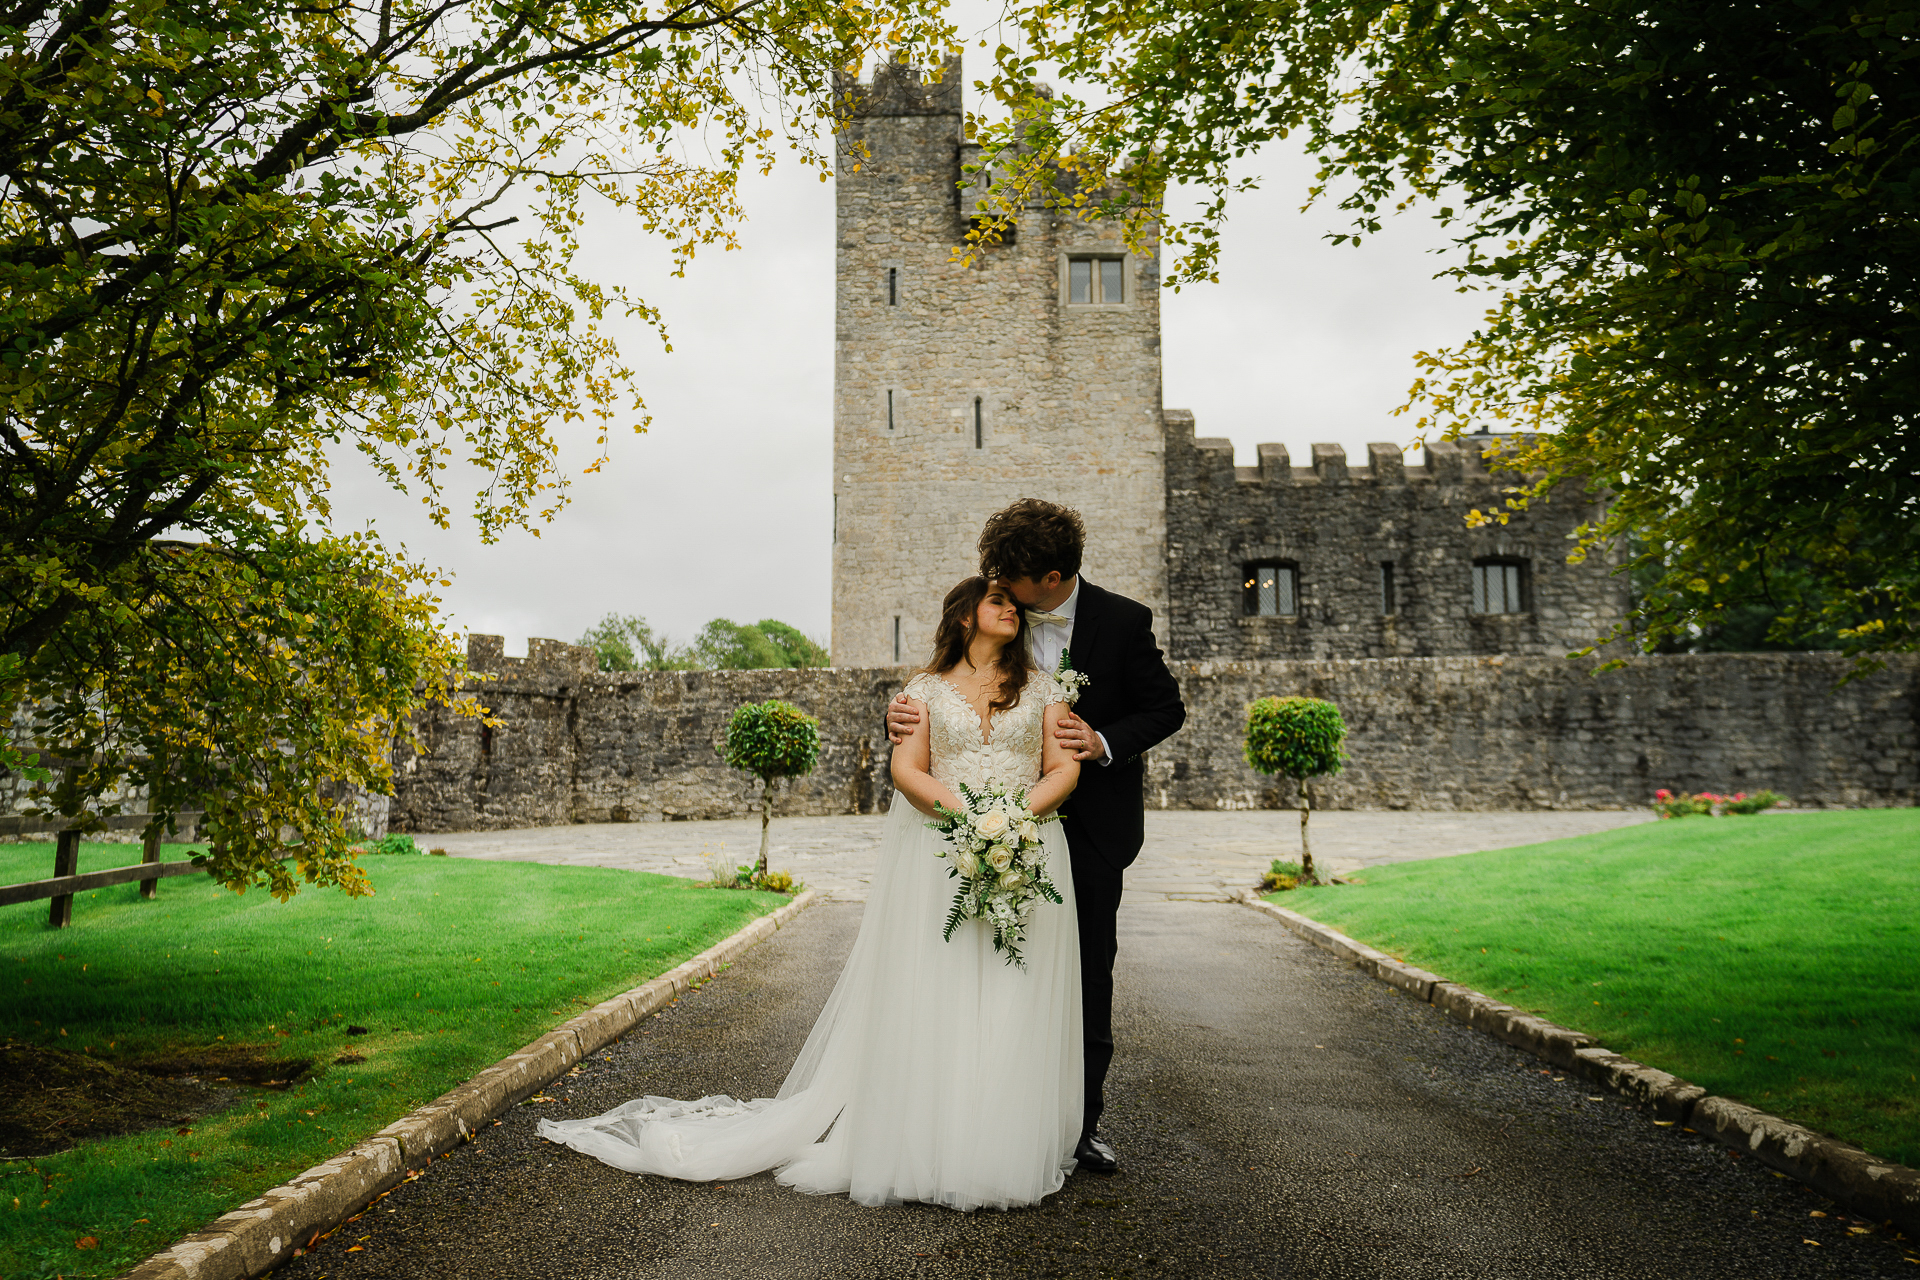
<point>999,858</point>
<point>992,824</point>
<point>1029,831</point>
<point>1011,879</point>
<point>966,864</point>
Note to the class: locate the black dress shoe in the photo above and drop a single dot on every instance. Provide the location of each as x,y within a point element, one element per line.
<point>1096,1155</point>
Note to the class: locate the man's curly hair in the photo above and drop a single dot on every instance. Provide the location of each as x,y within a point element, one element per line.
<point>1030,539</point>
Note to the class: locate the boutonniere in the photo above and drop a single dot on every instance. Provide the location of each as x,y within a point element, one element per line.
<point>1069,679</point>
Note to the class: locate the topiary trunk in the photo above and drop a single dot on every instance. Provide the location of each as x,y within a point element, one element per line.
<point>766,816</point>
<point>1306,850</point>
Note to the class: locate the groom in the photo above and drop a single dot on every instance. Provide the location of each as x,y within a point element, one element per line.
<point>1130,703</point>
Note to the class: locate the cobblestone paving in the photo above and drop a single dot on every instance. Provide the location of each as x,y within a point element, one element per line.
<point>1188,854</point>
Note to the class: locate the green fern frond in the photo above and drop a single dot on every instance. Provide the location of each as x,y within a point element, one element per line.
<point>955,916</point>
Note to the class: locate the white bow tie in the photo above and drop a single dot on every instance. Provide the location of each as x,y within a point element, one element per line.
<point>1035,618</point>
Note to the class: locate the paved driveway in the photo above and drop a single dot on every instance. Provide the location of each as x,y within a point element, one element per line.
<point>1189,853</point>
<point>1280,1115</point>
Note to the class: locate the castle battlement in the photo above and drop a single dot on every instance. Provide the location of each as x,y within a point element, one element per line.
<point>895,89</point>
<point>1334,561</point>
<point>488,654</point>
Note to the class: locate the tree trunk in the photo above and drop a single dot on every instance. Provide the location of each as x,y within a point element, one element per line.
<point>766,816</point>
<point>1306,850</point>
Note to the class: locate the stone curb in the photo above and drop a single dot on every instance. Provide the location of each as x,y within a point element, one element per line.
<point>263,1233</point>
<point>1875,1188</point>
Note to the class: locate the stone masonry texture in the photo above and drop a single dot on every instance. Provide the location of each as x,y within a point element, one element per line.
<point>1337,526</point>
<point>960,388</point>
<point>1514,732</point>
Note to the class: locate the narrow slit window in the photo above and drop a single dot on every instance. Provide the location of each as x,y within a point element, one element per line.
<point>893,286</point>
<point>889,410</point>
<point>896,637</point>
<point>979,426</point>
<point>1499,586</point>
<point>1387,602</point>
<point>1271,591</point>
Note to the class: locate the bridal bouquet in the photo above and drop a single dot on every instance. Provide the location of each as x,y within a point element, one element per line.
<point>994,849</point>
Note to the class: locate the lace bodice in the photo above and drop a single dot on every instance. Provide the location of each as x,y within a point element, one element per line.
<point>1011,755</point>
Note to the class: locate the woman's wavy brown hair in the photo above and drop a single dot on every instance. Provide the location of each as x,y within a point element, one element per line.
<point>955,633</point>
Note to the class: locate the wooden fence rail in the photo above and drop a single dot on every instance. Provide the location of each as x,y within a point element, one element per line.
<point>66,879</point>
<point>64,887</point>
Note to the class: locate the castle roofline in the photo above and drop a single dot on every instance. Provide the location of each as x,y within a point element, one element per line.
<point>895,89</point>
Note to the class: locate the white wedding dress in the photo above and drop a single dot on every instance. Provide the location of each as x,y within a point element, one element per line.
<point>937,1072</point>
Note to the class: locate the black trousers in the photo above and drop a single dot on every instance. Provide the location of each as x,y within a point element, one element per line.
<point>1096,892</point>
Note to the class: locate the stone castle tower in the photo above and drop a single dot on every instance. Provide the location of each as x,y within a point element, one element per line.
<point>1033,373</point>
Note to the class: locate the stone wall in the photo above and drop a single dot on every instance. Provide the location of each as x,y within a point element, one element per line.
<point>1544,733</point>
<point>1337,524</point>
<point>960,388</point>
<point>577,745</point>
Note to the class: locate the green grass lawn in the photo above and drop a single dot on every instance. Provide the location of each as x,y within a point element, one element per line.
<point>1770,959</point>
<point>451,965</point>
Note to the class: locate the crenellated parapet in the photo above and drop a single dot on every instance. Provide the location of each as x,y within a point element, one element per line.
<point>896,89</point>
<point>488,654</point>
<point>1331,560</point>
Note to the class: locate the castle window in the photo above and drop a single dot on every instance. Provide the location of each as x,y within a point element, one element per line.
<point>979,426</point>
<point>1500,586</point>
<point>893,286</point>
<point>1271,591</point>
<point>1096,281</point>
<point>896,638</point>
<point>1387,602</point>
<point>889,409</point>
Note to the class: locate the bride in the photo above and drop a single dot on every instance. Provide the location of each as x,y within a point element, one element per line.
<point>937,1071</point>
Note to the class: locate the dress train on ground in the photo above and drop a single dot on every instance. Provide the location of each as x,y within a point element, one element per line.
<point>937,1072</point>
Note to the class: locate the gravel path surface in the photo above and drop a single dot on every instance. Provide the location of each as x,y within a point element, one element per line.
<point>1279,1115</point>
<point>1189,853</point>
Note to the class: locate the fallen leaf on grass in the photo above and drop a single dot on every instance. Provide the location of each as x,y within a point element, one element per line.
<point>86,1242</point>
<point>1814,1243</point>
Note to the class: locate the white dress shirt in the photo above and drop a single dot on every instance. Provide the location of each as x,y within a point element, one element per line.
<point>1048,640</point>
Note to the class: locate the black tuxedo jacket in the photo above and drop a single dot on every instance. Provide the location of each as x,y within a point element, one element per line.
<point>1134,702</point>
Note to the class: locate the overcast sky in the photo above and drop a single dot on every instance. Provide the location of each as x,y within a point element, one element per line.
<point>723,508</point>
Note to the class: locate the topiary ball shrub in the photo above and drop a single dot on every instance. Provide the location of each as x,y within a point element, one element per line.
<point>1302,739</point>
<point>771,740</point>
<point>1298,737</point>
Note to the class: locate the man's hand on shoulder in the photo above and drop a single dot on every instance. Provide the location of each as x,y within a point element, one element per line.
<point>902,719</point>
<point>1078,737</point>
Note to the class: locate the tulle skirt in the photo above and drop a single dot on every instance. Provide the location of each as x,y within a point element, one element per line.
<point>937,1071</point>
